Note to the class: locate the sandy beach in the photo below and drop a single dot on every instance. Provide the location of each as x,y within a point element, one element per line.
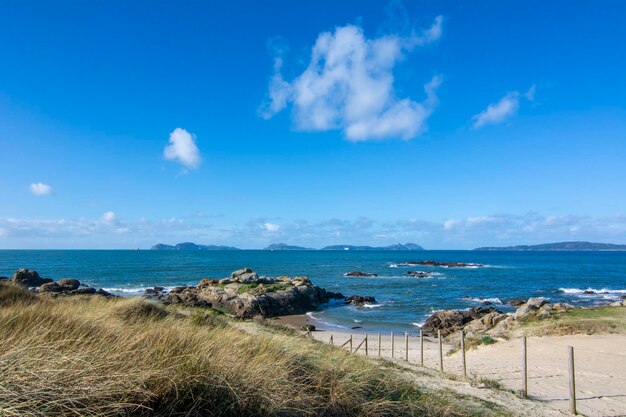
<point>600,365</point>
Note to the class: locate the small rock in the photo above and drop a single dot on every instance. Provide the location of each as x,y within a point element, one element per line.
<point>355,327</point>
<point>359,274</point>
<point>69,284</point>
<point>50,287</point>
<point>359,300</point>
<point>516,303</point>
<point>587,292</point>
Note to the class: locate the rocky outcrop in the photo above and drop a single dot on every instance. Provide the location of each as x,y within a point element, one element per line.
<point>449,321</point>
<point>28,278</point>
<point>443,264</point>
<point>360,300</point>
<point>246,295</point>
<point>48,287</point>
<point>359,274</point>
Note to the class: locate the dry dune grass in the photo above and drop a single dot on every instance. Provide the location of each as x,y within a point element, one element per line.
<point>96,357</point>
<point>598,320</point>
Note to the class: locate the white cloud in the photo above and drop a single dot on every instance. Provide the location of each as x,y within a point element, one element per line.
<point>40,189</point>
<point>271,227</point>
<point>498,112</point>
<point>505,108</point>
<point>182,148</point>
<point>108,217</point>
<point>349,85</point>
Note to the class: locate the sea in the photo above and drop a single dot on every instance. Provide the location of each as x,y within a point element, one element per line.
<point>402,303</point>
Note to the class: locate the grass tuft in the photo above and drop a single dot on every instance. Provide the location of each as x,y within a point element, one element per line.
<point>14,294</point>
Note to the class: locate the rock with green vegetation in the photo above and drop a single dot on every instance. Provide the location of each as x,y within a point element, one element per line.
<point>245,295</point>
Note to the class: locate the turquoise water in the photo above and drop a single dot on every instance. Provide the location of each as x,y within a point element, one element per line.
<point>402,302</point>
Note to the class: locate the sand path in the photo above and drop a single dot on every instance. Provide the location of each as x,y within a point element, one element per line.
<point>600,366</point>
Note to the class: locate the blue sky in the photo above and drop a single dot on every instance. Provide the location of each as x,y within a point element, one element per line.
<point>448,124</point>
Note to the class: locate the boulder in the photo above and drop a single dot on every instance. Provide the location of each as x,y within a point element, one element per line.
<point>28,278</point>
<point>486,322</point>
<point>530,307</point>
<point>449,321</point>
<point>359,300</point>
<point>154,290</point>
<point>84,291</point>
<point>50,287</point>
<point>69,284</point>
<point>516,303</point>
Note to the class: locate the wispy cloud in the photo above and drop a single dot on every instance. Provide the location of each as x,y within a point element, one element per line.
<point>349,85</point>
<point>183,149</point>
<point>40,189</point>
<point>503,109</point>
<point>467,232</point>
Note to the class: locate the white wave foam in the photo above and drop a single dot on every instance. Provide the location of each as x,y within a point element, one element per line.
<point>372,305</point>
<point>134,290</point>
<point>357,321</point>
<point>591,291</point>
<point>419,324</point>
<point>494,300</point>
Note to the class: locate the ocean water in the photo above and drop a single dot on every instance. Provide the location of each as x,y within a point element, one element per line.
<point>403,302</point>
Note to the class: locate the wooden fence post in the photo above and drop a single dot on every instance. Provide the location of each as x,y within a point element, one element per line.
<point>524,367</point>
<point>366,348</point>
<point>421,347</point>
<point>572,382</point>
<point>379,339</point>
<point>350,343</point>
<point>332,342</point>
<point>440,351</point>
<point>392,344</point>
<point>463,351</point>
<point>406,346</point>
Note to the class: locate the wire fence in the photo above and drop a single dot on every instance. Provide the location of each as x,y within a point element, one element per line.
<point>431,352</point>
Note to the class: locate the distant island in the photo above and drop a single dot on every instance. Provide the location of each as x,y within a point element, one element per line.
<point>559,246</point>
<point>284,246</point>
<point>189,246</point>
<point>396,247</point>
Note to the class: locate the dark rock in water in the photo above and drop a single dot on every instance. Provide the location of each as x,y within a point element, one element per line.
<point>246,295</point>
<point>589,292</point>
<point>28,278</point>
<point>516,303</point>
<point>487,303</point>
<point>444,264</point>
<point>50,287</point>
<point>69,284</point>
<point>154,291</point>
<point>308,328</point>
<point>418,274</point>
<point>359,274</point>
<point>177,290</point>
<point>355,327</point>
<point>359,300</point>
<point>449,321</point>
<point>335,295</point>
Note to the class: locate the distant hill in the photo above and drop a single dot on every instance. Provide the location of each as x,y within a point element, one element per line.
<point>283,246</point>
<point>396,247</point>
<point>189,246</point>
<point>560,246</point>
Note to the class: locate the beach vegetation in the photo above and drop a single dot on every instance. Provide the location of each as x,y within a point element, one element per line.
<point>93,356</point>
